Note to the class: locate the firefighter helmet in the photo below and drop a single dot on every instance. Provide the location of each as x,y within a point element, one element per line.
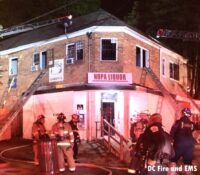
<point>186,112</point>
<point>75,117</point>
<point>61,117</point>
<point>155,118</point>
<point>39,117</point>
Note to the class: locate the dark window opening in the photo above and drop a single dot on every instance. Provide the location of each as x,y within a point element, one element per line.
<point>79,51</point>
<point>71,51</point>
<point>142,57</point>
<point>36,59</point>
<point>138,56</point>
<point>44,60</point>
<point>108,51</point>
<point>174,71</point>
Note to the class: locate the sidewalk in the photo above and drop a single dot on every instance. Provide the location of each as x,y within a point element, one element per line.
<point>94,160</point>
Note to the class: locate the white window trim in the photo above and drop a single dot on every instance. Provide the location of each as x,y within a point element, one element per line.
<point>79,49</point>
<point>172,62</point>
<point>163,75</point>
<point>116,49</point>
<point>148,56</point>
<point>10,61</point>
<point>67,48</point>
<point>66,51</point>
<point>40,60</point>
<point>33,63</point>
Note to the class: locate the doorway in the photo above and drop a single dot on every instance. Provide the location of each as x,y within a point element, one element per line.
<point>108,112</point>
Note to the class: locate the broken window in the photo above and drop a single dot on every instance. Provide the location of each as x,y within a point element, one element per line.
<point>109,49</point>
<point>174,71</point>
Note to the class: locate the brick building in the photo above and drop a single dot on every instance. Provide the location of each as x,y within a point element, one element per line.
<point>97,67</point>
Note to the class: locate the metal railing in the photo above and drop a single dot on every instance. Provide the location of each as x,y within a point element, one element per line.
<point>114,140</point>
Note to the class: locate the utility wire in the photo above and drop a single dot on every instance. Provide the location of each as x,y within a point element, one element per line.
<point>45,14</point>
<point>50,12</point>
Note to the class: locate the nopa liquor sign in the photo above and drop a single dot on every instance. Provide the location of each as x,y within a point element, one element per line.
<point>109,78</point>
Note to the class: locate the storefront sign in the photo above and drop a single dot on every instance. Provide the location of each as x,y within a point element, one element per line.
<point>56,73</point>
<point>109,78</point>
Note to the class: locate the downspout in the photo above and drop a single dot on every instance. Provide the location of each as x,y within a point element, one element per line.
<point>89,108</point>
<point>89,35</point>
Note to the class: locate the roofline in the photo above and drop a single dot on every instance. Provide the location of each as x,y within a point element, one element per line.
<point>83,32</point>
<point>174,54</point>
<point>99,29</point>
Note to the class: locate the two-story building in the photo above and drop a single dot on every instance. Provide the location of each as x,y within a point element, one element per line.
<point>98,67</point>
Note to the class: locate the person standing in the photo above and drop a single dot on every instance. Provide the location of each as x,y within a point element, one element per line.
<point>73,123</point>
<point>181,133</point>
<point>137,128</point>
<point>38,131</point>
<point>63,133</point>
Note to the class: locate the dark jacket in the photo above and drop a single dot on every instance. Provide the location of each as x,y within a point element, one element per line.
<point>75,131</point>
<point>155,143</point>
<point>182,130</point>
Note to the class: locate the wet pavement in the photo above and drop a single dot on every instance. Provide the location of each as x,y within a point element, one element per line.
<point>16,158</point>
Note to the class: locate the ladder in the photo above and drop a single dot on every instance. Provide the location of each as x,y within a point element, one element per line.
<point>143,77</point>
<point>159,104</point>
<point>32,26</point>
<point>17,107</point>
<point>165,92</point>
<point>7,92</point>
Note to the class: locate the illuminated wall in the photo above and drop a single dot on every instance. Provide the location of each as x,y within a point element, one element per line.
<point>50,105</point>
<point>127,104</point>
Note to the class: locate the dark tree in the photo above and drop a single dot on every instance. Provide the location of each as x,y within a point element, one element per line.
<point>180,15</point>
<point>15,12</point>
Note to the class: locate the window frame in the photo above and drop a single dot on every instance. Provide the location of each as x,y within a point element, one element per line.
<point>10,66</point>
<point>172,65</point>
<point>39,66</point>
<point>141,63</point>
<point>116,49</point>
<point>163,67</point>
<point>76,49</point>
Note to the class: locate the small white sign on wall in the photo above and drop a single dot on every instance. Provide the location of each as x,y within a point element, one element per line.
<point>56,73</point>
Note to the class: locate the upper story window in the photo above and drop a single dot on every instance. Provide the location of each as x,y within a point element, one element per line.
<point>109,49</point>
<point>174,71</point>
<point>13,66</point>
<point>142,57</point>
<point>163,66</point>
<point>74,52</point>
<point>39,61</point>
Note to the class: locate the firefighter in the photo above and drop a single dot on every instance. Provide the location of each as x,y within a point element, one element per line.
<point>38,132</point>
<point>73,123</point>
<point>137,128</point>
<point>65,140</point>
<point>153,149</point>
<point>181,133</point>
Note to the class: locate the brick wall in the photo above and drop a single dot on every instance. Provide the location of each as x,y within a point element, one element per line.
<point>77,73</point>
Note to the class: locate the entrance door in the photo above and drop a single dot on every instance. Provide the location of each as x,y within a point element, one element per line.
<point>108,112</point>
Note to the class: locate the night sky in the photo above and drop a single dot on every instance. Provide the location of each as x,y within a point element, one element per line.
<point>118,8</point>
